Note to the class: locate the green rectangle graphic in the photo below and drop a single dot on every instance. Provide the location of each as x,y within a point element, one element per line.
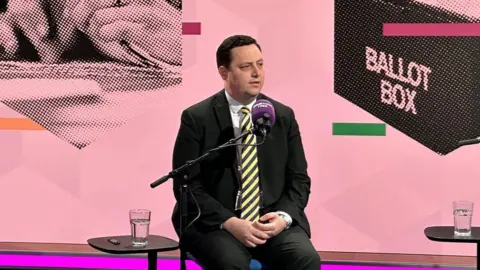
<point>359,129</point>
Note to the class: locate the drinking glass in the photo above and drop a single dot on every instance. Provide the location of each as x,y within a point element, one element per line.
<point>462,217</point>
<point>140,226</point>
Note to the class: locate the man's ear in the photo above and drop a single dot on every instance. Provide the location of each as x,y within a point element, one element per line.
<point>223,72</point>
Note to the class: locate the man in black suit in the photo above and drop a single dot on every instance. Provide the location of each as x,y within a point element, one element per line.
<point>251,198</point>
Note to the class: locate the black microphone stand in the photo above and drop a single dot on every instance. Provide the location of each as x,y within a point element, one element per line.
<point>184,185</point>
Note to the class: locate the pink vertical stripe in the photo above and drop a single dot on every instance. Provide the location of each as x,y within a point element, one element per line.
<point>432,29</point>
<point>191,28</point>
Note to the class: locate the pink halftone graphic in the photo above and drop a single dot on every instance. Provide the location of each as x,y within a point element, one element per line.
<point>363,188</point>
<point>467,8</point>
<point>91,67</point>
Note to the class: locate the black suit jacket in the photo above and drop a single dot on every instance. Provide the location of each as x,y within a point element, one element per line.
<point>284,181</point>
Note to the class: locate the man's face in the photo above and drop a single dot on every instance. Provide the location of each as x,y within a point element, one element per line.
<point>245,76</point>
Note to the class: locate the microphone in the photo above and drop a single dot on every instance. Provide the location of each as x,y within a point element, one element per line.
<point>468,142</point>
<point>263,116</point>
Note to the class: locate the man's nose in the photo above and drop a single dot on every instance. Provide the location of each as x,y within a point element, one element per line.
<point>255,72</point>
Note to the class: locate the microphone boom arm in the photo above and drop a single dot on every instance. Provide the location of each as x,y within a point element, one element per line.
<point>469,141</point>
<point>191,163</point>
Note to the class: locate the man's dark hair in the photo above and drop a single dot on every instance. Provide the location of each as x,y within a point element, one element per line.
<point>224,51</point>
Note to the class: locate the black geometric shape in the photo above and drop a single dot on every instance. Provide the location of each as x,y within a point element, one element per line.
<point>425,87</point>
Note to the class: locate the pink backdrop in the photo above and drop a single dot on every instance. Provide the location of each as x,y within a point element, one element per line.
<point>376,198</point>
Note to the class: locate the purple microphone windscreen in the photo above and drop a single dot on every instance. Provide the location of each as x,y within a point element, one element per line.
<point>263,108</point>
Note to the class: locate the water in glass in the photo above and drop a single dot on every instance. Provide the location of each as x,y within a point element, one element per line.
<point>140,224</point>
<point>462,221</point>
<point>140,230</point>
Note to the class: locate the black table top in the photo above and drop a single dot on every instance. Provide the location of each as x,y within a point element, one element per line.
<point>445,234</point>
<point>155,244</point>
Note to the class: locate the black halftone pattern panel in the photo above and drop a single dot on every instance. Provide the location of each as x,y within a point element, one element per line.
<point>438,104</point>
<point>115,58</point>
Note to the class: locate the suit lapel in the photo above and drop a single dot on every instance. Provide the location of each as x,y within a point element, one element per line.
<point>222,113</point>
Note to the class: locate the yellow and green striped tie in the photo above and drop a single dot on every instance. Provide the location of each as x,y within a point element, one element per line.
<point>250,176</point>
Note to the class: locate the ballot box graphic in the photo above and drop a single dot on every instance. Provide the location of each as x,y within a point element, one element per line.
<point>426,87</point>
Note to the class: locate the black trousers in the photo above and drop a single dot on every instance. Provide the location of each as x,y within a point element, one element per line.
<point>290,249</point>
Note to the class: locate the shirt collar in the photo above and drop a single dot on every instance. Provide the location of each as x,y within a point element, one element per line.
<point>235,106</point>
